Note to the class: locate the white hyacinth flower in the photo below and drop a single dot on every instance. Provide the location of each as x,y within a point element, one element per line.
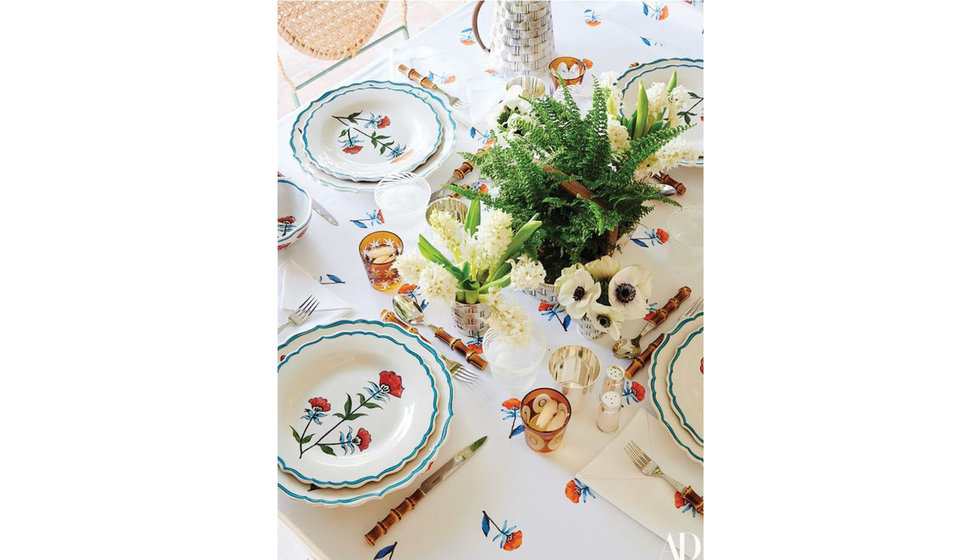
<point>525,273</point>
<point>437,283</point>
<point>410,265</point>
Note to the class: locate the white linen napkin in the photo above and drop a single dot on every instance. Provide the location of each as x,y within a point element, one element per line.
<point>470,82</point>
<point>296,284</point>
<point>648,500</point>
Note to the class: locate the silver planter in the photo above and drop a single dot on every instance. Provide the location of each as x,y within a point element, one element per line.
<point>471,318</point>
<point>545,292</point>
<point>587,328</point>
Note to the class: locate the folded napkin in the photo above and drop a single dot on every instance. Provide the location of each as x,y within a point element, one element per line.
<point>470,82</point>
<point>649,500</point>
<point>296,284</point>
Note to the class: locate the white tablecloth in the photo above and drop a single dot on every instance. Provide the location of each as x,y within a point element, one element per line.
<point>505,478</point>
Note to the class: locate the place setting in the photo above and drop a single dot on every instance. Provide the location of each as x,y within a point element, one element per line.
<point>525,338</point>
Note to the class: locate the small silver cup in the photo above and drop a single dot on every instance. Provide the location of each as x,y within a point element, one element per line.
<point>575,369</point>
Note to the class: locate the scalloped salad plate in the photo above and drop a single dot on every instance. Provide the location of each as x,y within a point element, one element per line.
<point>364,134</point>
<point>354,406</point>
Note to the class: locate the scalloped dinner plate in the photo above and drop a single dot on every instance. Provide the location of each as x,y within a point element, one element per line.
<point>685,384</point>
<point>354,406</point>
<point>446,147</point>
<point>334,497</point>
<point>658,387</point>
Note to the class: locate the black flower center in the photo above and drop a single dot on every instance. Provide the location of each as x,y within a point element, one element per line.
<point>317,409</point>
<point>603,321</point>
<point>625,293</point>
<point>385,388</point>
<point>579,293</point>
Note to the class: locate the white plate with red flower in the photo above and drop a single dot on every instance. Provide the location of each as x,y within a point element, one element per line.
<point>367,133</point>
<point>435,162</point>
<point>334,497</point>
<point>354,407</point>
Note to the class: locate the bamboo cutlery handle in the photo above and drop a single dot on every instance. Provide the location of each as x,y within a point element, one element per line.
<point>394,515</point>
<point>691,497</point>
<point>417,77</point>
<point>472,356</point>
<point>659,317</point>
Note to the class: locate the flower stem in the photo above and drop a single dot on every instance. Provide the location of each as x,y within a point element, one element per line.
<point>341,421</point>
<point>491,521</point>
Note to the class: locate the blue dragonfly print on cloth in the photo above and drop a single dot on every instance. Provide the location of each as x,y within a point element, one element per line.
<point>509,537</point>
<point>374,218</point>
<point>555,311</point>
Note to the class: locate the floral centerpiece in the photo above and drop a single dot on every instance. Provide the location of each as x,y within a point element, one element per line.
<point>601,295</point>
<point>567,169</point>
<point>486,257</point>
<point>658,106</point>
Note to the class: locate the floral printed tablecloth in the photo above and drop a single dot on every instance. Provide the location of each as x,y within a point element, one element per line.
<point>506,488</point>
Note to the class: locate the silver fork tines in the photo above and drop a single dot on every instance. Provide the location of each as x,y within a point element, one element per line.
<point>459,371</point>
<point>302,313</point>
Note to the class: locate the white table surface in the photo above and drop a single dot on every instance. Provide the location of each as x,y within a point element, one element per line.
<point>505,478</point>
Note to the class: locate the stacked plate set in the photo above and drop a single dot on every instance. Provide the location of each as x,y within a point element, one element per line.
<point>353,136</point>
<point>677,385</point>
<point>364,408</point>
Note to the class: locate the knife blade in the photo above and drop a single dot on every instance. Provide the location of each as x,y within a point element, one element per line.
<point>381,527</point>
<point>319,209</point>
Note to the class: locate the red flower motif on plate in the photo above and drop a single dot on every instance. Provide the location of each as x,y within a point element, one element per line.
<point>352,149</point>
<point>392,381</point>
<point>662,235</point>
<point>385,121</point>
<point>321,403</point>
<point>363,439</point>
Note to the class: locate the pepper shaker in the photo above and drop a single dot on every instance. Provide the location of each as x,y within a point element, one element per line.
<point>612,407</point>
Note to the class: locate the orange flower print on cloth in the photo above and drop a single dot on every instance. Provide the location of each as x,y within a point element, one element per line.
<point>555,311</point>
<point>680,502</point>
<point>509,537</point>
<point>576,491</point>
<point>592,17</point>
<point>657,11</point>
<point>466,36</point>
<point>634,393</point>
<point>650,237</point>
<point>511,409</point>
<point>389,385</point>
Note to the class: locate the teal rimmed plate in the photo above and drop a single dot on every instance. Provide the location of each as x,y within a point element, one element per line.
<point>685,384</point>
<point>334,497</point>
<point>364,133</point>
<point>354,406</point>
<point>659,396</point>
<point>435,161</point>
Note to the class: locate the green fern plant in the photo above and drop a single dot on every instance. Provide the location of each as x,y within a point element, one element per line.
<point>556,135</point>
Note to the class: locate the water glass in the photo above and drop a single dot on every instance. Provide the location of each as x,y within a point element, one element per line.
<point>402,199</point>
<point>513,367</point>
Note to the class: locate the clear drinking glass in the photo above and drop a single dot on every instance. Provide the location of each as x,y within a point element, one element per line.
<point>513,367</point>
<point>402,199</point>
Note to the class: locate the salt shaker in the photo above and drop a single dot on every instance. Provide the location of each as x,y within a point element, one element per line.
<point>614,380</point>
<point>612,406</point>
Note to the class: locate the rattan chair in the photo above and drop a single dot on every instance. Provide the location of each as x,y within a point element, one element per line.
<point>332,30</point>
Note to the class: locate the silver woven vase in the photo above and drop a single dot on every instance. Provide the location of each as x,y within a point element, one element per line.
<point>522,37</point>
<point>471,318</point>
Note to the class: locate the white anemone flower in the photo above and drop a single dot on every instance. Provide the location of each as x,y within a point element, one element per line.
<point>603,269</point>
<point>577,292</point>
<point>606,319</point>
<point>629,290</point>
